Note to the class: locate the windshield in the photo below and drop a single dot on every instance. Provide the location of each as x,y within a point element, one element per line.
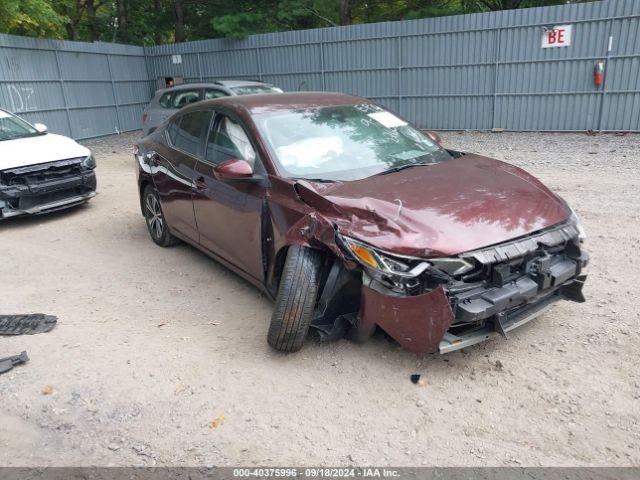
<point>253,89</point>
<point>344,142</point>
<point>13,127</point>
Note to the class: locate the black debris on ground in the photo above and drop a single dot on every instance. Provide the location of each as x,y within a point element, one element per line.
<point>27,324</point>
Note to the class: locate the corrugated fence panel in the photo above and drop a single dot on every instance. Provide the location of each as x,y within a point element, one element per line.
<point>553,86</point>
<point>480,71</point>
<point>229,64</point>
<point>94,122</point>
<point>621,104</point>
<point>78,89</point>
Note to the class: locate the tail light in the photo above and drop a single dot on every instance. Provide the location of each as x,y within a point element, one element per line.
<point>144,118</point>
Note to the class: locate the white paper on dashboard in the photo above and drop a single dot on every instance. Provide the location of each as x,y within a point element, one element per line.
<point>387,119</point>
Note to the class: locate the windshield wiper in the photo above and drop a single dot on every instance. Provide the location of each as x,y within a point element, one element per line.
<point>402,167</point>
<point>319,180</point>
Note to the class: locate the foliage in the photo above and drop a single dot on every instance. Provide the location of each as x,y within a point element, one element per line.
<point>35,18</point>
<point>152,22</point>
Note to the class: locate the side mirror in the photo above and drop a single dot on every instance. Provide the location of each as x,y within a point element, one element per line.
<point>40,127</point>
<point>233,170</point>
<point>433,136</point>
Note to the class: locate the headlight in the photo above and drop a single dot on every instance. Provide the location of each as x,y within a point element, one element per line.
<point>577,221</point>
<point>406,267</point>
<point>89,163</point>
<point>383,263</point>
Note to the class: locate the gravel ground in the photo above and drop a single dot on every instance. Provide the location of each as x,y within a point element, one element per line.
<point>160,355</point>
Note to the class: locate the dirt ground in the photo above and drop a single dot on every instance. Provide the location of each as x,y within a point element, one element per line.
<point>160,355</point>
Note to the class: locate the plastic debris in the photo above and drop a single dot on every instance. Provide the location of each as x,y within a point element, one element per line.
<point>8,363</point>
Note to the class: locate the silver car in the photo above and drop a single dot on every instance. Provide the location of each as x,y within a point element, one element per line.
<point>167,101</point>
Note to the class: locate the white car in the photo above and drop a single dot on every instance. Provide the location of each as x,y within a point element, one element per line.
<point>41,172</point>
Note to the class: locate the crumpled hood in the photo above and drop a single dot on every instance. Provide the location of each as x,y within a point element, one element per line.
<point>443,209</point>
<point>22,152</point>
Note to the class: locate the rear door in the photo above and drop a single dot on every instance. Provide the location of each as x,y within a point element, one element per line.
<point>175,170</point>
<point>228,212</point>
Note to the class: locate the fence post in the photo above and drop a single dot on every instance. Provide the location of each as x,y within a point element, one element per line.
<point>258,63</point>
<point>496,77</point>
<point>151,82</point>
<point>603,96</point>
<point>400,76</point>
<point>199,66</point>
<point>324,88</point>
<point>113,92</point>
<point>64,94</point>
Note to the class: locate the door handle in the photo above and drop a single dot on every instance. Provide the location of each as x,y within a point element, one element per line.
<point>200,183</point>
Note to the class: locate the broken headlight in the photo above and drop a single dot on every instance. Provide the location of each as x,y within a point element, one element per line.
<point>89,162</point>
<point>577,221</point>
<point>407,267</point>
<point>452,265</point>
<point>382,262</point>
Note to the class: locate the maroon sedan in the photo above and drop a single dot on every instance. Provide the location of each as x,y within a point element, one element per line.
<point>352,220</point>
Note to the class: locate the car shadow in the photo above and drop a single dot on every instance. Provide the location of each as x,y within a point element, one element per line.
<point>27,221</point>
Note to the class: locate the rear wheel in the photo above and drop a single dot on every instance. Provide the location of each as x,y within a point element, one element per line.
<point>296,300</point>
<point>156,223</point>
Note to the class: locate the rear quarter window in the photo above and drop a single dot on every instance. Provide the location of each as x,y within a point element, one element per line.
<point>172,130</point>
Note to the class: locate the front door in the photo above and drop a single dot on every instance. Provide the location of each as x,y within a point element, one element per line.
<point>175,169</point>
<point>228,212</point>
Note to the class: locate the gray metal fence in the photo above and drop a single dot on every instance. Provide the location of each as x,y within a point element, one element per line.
<point>482,71</point>
<point>78,89</point>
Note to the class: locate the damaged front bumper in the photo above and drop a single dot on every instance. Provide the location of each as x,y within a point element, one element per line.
<point>516,285</point>
<point>45,188</point>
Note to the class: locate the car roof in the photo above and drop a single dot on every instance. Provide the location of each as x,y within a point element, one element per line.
<point>217,83</point>
<point>284,101</point>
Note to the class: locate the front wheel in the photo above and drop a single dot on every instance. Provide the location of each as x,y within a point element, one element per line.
<point>156,223</point>
<point>296,300</point>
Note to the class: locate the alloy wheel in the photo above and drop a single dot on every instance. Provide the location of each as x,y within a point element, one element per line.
<point>154,216</point>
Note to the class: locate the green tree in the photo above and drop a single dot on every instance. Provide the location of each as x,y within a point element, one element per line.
<point>152,22</point>
<point>35,18</point>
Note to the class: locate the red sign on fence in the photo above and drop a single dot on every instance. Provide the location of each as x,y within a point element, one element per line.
<point>558,36</point>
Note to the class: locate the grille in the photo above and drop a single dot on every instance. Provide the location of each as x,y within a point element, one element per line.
<point>35,174</point>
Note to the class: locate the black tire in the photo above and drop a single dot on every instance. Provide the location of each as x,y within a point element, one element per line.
<point>156,223</point>
<point>296,300</point>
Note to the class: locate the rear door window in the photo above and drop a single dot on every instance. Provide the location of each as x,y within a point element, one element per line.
<point>182,98</point>
<point>212,93</point>
<point>165,100</point>
<point>190,133</point>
